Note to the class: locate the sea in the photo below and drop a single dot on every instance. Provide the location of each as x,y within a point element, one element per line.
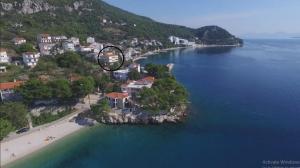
<point>244,113</point>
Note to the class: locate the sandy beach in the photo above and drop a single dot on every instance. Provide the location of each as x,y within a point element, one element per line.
<point>19,147</point>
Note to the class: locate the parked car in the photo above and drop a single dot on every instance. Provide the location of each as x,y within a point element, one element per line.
<point>22,130</point>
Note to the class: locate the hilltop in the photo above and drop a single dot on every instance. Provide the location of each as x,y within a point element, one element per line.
<point>27,18</point>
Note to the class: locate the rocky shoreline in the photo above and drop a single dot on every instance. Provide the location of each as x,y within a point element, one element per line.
<point>115,118</point>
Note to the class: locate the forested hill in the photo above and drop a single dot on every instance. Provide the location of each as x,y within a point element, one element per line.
<point>96,18</point>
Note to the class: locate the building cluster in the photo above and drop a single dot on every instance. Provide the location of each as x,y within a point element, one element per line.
<point>125,100</point>
<point>49,45</point>
<point>108,22</point>
<point>130,89</point>
<point>180,41</point>
<point>109,57</point>
<point>58,44</point>
<point>136,47</point>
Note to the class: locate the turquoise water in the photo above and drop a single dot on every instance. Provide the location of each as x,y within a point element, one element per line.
<point>245,109</point>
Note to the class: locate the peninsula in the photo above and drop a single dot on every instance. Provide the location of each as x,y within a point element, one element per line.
<point>49,76</point>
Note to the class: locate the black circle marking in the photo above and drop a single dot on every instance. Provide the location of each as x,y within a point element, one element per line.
<point>117,48</point>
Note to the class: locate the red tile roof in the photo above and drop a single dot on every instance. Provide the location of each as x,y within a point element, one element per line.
<point>115,95</point>
<point>149,79</point>
<point>10,85</point>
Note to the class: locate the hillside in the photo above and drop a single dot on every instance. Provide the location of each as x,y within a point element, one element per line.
<point>96,18</point>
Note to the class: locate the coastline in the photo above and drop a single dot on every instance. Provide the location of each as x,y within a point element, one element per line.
<point>17,148</point>
<point>153,52</point>
<point>14,149</point>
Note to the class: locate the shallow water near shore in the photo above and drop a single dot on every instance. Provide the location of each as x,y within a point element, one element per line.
<point>245,108</point>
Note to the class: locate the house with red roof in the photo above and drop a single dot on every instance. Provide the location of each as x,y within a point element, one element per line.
<point>7,90</point>
<point>118,100</point>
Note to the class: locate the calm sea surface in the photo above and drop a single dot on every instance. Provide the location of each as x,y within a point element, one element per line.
<point>245,108</point>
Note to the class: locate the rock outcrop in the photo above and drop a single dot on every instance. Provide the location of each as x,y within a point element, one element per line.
<point>142,118</point>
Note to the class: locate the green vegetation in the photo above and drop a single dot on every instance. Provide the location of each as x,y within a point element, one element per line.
<point>102,82</point>
<point>5,128</point>
<point>87,21</point>
<point>25,48</point>
<point>69,60</point>
<point>12,72</point>
<point>166,92</point>
<point>61,89</point>
<point>157,71</point>
<point>83,87</point>
<point>216,35</point>
<point>12,116</point>
<point>101,108</point>
<point>34,90</point>
<point>75,63</point>
<point>48,117</point>
<point>46,64</point>
<point>134,75</point>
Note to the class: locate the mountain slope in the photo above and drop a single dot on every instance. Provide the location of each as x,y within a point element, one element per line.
<point>87,18</point>
<point>212,34</point>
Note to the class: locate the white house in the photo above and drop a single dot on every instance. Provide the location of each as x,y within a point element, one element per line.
<point>19,40</point>
<point>3,56</point>
<point>118,100</point>
<point>2,69</point>
<point>134,87</point>
<point>129,53</point>
<point>176,40</point>
<point>31,59</point>
<point>75,41</point>
<point>110,57</point>
<point>90,40</point>
<point>45,48</point>
<point>171,38</point>
<point>85,49</point>
<point>121,74</point>
<point>134,42</point>
<point>44,38</point>
<point>135,66</point>
<point>68,46</point>
<point>96,47</point>
<point>56,39</point>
